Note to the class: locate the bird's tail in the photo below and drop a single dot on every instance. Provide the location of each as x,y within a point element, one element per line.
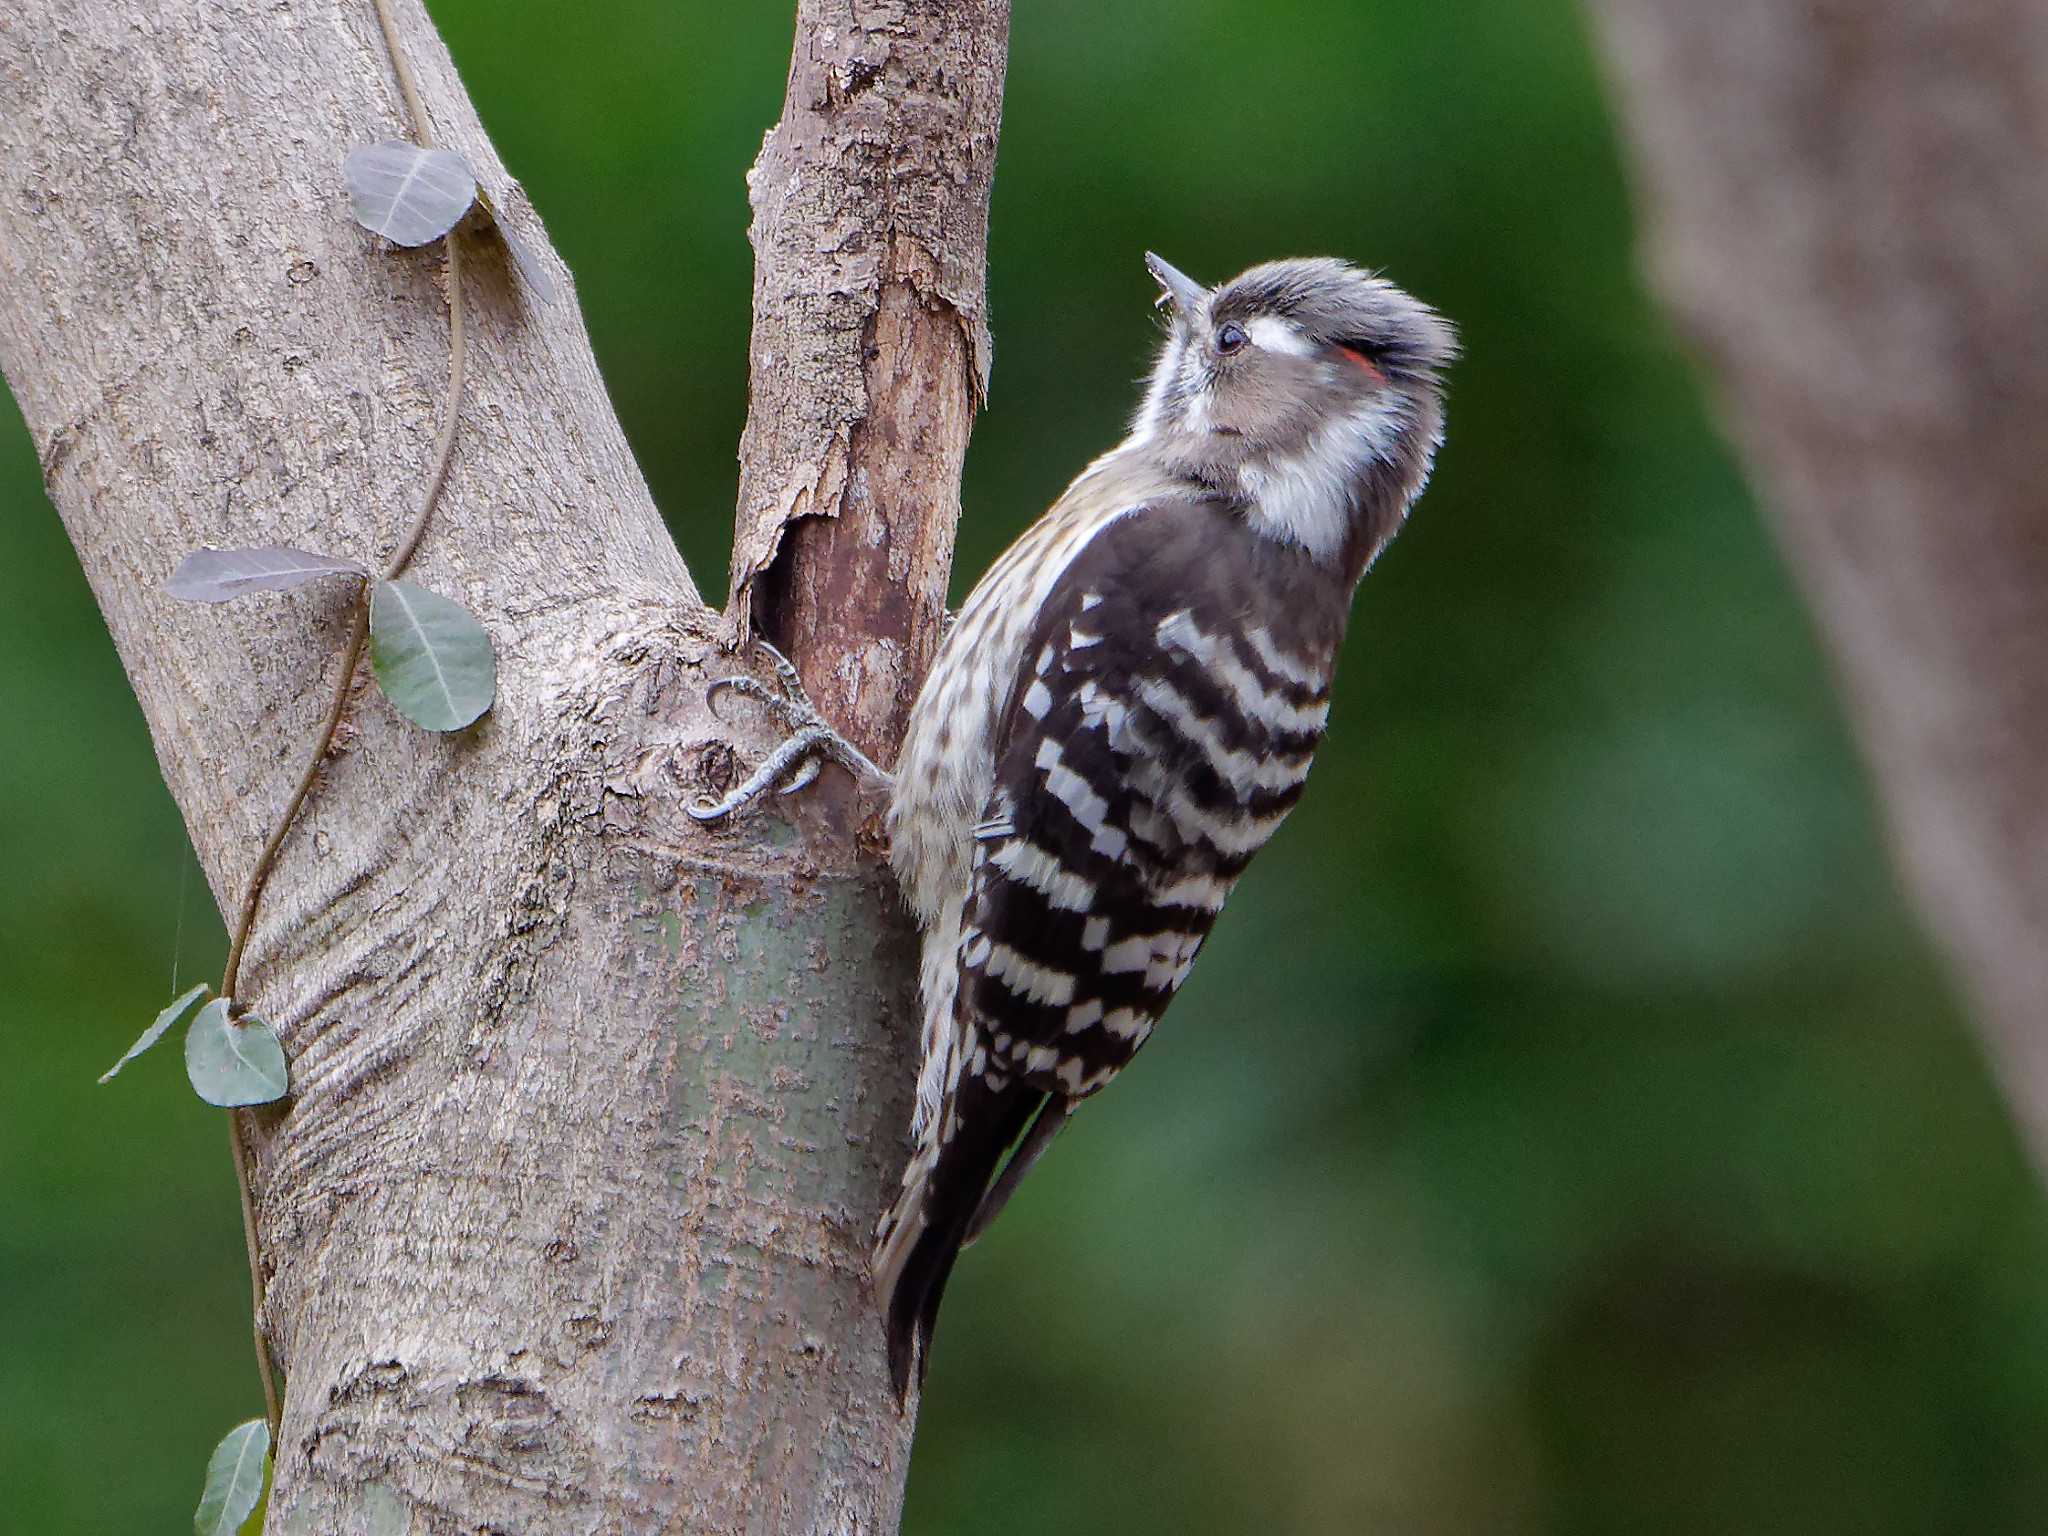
<point>956,1160</point>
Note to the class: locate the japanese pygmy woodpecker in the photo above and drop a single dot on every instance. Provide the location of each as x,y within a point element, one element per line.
<point>1121,716</point>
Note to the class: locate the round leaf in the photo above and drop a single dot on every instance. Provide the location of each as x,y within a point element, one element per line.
<point>215,575</point>
<point>234,1480</point>
<point>181,1009</point>
<point>253,1526</point>
<point>234,1061</point>
<point>431,658</point>
<point>407,194</point>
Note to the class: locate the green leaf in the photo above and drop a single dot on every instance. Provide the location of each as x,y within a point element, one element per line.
<point>234,1061</point>
<point>215,575</point>
<point>432,659</point>
<point>234,1479</point>
<point>181,1009</point>
<point>253,1526</point>
<point>408,195</point>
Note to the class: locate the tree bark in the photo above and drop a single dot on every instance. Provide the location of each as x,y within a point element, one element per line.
<point>870,348</point>
<point>1842,202</point>
<point>566,1220</point>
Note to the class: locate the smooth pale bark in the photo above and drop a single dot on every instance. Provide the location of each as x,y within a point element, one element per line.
<point>1843,204</point>
<point>566,1221</point>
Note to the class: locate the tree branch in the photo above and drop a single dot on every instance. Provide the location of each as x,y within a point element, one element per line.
<point>1842,203</point>
<point>870,349</point>
<point>593,1111</point>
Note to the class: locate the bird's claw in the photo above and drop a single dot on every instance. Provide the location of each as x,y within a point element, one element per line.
<point>807,770</point>
<point>802,754</point>
<point>746,687</point>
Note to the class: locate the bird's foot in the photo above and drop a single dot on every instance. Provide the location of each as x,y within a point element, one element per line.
<point>801,756</point>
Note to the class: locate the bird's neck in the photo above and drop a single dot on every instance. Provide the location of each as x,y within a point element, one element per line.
<point>1338,493</point>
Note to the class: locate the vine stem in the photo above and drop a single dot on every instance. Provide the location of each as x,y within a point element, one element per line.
<point>240,1121</point>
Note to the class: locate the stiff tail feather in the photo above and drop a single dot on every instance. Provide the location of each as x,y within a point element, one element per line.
<point>1051,1119</point>
<point>943,1189</point>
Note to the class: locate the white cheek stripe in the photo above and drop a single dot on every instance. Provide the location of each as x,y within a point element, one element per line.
<point>1278,335</point>
<point>1305,498</point>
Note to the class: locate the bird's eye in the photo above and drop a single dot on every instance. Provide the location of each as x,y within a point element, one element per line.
<point>1230,337</point>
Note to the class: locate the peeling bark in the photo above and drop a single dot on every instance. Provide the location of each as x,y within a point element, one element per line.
<point>566,1220</point>
<point>870,350</point>
<point>1843,205</point>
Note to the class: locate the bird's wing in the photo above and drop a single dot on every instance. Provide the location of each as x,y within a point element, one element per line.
<point>1150,744</point>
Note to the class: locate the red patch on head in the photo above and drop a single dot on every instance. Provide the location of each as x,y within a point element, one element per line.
<point>1372,369</point>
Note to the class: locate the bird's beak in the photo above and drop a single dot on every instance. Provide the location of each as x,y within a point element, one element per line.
<point>1175,286</point>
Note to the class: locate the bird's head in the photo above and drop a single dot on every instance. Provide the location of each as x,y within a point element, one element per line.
<point>1307,389</point>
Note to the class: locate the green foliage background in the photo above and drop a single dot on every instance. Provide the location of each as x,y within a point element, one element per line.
<point>1568,1129</point>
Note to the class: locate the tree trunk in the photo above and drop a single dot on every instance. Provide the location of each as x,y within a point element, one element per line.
<point>1843,205</point>
<point>565,1223</point>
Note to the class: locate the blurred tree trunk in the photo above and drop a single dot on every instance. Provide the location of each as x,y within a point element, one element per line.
<point>566,1220</point>
<point>1843,202</point>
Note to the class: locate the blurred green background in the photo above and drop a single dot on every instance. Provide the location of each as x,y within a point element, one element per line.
<point>1567,1131</point>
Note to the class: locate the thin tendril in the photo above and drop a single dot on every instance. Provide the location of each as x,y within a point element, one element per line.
<point>239,1120</point>
<point>178,928</point>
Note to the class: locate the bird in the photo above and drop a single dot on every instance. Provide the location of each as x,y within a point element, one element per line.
<point>1120,716</point>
